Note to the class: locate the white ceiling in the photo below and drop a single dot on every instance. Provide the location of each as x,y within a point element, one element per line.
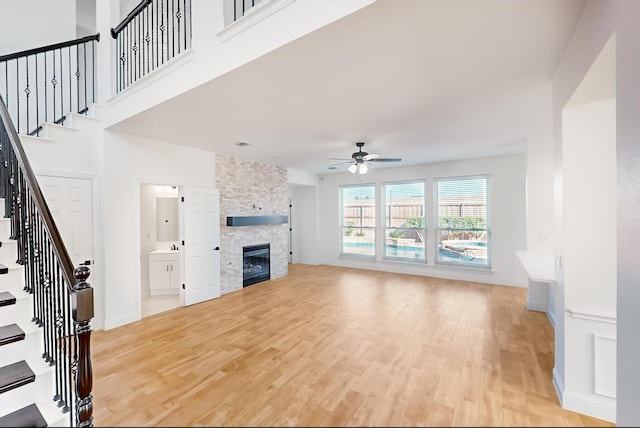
<point>423,80</point>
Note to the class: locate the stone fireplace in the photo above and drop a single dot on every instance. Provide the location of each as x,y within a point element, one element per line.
<point>258,190</point>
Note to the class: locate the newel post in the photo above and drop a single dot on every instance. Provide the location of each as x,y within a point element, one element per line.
<point>82,300</point>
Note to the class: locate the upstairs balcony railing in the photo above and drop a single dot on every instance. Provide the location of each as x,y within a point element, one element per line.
<point>153,33</point>
<point>62,298</point>
<point>45,84</point>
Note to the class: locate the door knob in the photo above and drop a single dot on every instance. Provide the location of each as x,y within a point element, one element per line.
<point>217,248</point>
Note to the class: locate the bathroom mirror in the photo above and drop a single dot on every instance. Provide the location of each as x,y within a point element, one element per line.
<point>167,218</point>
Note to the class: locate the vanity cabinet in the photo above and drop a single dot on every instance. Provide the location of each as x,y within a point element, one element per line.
<point>164,272</point>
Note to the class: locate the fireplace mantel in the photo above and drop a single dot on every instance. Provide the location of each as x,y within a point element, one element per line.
<point>256,220</point>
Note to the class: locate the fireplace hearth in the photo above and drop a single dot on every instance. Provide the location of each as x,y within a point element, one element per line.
<point>255,264</point>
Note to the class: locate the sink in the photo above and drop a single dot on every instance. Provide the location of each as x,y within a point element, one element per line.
<point>166,251</point>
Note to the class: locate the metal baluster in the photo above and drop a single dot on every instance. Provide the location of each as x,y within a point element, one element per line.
<point>37,101</point>
<point>18,93</point>
<point>69,72</point>
<point>59,333</point>
<point>27,92</point>
<point>46,103</point>
<point>84,53</point>
<point>93,72</point>
<point>54,82</point>
<point>161,28</point>
<point>69,360</point>
<point>178,16</point>
<point>78,79</point>
<point>147,38</point>
<point>154,32</point>
<point>65,364</point>
<point>173,29</point>
<point>61,90</point>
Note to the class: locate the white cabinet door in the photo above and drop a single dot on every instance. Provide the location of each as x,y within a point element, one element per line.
<point>159,275</point>
<point>174,275</point>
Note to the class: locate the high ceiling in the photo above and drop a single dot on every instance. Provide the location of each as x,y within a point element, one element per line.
<point>423,80</point>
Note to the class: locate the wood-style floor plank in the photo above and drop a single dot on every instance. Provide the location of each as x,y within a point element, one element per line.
<point>331,346</point>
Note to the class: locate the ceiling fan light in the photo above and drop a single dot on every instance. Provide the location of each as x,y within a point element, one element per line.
<point>363,168</point>
<point>352,168</point>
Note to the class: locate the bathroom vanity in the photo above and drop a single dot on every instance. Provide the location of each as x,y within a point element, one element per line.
<point>164,272</point>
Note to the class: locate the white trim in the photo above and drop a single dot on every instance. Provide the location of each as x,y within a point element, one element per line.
<point>558,385</point>
<point>552,319</point>
<point>536,306</point>
<point>590,405</point>
<point>257,13</point>
<point>590,315</point>
<point>599,367</point>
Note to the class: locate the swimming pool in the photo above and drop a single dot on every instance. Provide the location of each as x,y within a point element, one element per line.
<point>471,256</point>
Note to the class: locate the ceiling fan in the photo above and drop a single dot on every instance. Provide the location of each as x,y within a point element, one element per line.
<point>359,160</point>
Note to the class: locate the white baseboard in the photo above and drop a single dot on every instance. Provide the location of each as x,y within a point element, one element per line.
<point>552,319</point>
<point>536,306</point>
<point>591,405</point>
<point>558,385</point>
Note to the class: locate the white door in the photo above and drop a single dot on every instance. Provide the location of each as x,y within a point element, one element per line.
<point>201,235</point>
<point>71,204</point>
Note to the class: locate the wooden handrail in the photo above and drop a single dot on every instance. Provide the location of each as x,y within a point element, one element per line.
<point>47,48</point>
<point>130,16</point>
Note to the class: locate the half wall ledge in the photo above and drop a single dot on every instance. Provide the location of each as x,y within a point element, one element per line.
<point>256,220</point>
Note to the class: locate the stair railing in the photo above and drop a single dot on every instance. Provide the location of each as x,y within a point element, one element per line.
<point>45,84</point>
<point>62,298</point>
<point>153,33</point>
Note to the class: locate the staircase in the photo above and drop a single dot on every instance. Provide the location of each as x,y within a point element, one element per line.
<point>46,305</point>
<point>27,382</point>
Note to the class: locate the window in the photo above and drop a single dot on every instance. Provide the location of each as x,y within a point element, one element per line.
<point>462,229</point>
<point>404,220</point>
<point>358,220</point>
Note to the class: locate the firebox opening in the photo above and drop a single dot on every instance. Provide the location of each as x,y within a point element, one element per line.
<point>255,264</point>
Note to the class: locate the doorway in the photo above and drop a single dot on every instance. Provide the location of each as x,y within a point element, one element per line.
<point>160,258</point>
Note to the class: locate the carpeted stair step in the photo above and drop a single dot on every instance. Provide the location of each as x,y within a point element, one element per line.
<point>15,375</point>
<point>11,333</point>
<point>6,298</point>
<point>28,416</point>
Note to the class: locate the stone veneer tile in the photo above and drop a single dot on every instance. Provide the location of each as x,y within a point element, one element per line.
<point>246,186</point>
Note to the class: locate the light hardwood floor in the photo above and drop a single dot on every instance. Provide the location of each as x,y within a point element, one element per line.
<point>330,346</point>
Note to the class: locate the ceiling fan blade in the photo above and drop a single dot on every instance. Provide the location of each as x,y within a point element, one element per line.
<point>385,160</point>
<point>370,156</point>
<point>344,159</point>
<point>341,163</point>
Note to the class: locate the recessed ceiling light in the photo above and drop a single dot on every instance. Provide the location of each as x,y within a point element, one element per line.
<point>243,144</point>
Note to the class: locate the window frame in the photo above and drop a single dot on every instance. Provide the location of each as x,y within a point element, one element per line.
<point>384,227</point>
<point>437,229</point>
<point>342,227</point>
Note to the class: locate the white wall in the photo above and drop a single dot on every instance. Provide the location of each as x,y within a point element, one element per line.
<point>48,21</point>
<point>589,258</point>
<point>85,17</point>
<point>304,224</point>
<point>600,20</point>
<point>507,207</point>
<point>215,57</point>
<point>540,193</point>
<point>628,147</point>
<point>128,161</point>
<point>148,232</point>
